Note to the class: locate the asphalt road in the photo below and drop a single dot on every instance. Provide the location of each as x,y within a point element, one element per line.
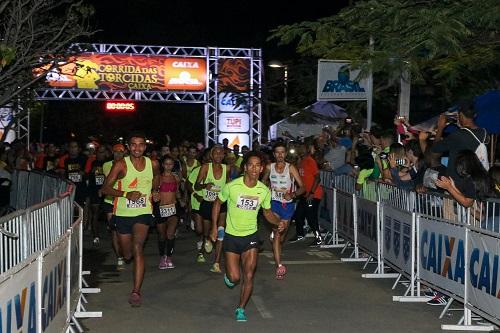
<point>319,294</point>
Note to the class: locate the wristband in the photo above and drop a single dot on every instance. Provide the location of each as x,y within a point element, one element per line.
<point>124,194</point>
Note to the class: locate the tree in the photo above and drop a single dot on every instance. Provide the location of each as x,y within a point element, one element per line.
<point>34,33</point>
<point>452,46</point>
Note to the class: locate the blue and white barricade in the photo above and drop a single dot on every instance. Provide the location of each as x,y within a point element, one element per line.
<point>428,238</point>
<point>41,251</point>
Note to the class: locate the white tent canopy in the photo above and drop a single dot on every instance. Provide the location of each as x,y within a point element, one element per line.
<point>324,113</point>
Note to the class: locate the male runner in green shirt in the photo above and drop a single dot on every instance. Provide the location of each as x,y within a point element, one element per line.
<point>245,196</point>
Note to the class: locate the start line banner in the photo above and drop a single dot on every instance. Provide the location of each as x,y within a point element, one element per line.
<point>127,72</point>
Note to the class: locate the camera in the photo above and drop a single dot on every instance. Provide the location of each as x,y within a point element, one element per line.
<point>451,117</point>
<point>401,161</point>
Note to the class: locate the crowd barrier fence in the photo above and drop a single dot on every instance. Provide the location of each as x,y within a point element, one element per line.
<point>41,249</point>
<point>427,238</point>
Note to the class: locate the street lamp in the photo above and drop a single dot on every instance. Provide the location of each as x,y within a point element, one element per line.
<point>279,64</point>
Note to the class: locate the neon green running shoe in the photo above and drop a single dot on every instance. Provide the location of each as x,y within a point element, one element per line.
<point>215,268</point>
<point>240,314</point>
<point>200,258</point>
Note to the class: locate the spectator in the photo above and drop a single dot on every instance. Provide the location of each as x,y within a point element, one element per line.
<point>462,139</point>
<point>308,204</point>
<point>334,153</point>
<point>472,181</point>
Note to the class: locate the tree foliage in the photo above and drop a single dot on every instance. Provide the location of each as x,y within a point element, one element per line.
<point>34,33</point>
<point>450,44</point>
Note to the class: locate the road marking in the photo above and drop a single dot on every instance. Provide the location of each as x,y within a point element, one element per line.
<point>308,262</point>
<point>259,304</point>
<point>320,254</point>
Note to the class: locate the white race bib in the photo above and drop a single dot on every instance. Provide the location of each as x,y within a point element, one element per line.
<point>278,194</point>
<point>167,210</point>
<point>75,177</point>
<point>247,202</point>
<point>99,180</point>
<point>140,203</point>
<point>212,194</point>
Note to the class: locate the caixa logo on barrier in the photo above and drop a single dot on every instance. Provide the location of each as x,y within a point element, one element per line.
<point>231,102</point>
<point>444,255</point>
<point>18,310</point>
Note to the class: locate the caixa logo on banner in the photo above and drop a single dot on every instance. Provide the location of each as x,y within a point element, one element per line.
<point>444,255</point>
<point>231,102</point>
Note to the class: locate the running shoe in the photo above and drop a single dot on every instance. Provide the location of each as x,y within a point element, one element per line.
<point>438,300</point>
<point>240,315</point>
<point>120,264</point>
<point>199,244</point>
<point>135,299</point>
<point>296,239</point>
<point>200,258</point>
<point>170,263</point>
<point>228,283</point>
<point>271,236</point>
<point>215,268</point>
<point>163,262</point>
<point>96,241</point>
<point>316,242</point>
<point>208,246</point>
<point>280,272</point>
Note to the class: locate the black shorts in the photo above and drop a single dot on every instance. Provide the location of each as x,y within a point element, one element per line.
<point>107,208</point>
<point>125,224</point>
<point>206,209</point>
<point>240,244</point>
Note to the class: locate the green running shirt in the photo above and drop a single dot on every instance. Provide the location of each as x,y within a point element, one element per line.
<point>195,204</point>
<point>243,204</point>
<point>141,181</point>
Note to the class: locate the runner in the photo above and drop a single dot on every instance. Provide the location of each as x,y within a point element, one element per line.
<point>166,214</point>
<point>190,162</point>
<point>137,176</point>
<point>201,229</point>
<point>282,178</point>
<point>96,179</point>
<point>107,206</point>
<point>72,165</point>
<point>47,161</point>
<point>244,197</point>
<point>212,177</point>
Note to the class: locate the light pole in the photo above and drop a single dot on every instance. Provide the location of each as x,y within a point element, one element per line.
<point>279,64</point>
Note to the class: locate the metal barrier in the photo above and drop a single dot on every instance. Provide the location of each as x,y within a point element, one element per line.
<point>30,188</point>
<point>428,238</point>
<point>41,259</point>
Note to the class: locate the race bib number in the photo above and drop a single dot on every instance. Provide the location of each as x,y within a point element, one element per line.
<point>247,202</point>
<point>167,210</point>
<point>278,194</point>
<point>140,203</point>
<point>99,180</point>
<point>75,177</point>
<point>212,194</point>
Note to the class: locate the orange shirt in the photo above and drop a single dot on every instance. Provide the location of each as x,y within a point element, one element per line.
<point>308,170</point>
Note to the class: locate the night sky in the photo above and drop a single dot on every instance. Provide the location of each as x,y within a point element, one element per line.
<point>215,23</point>
<point>177,23</point>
